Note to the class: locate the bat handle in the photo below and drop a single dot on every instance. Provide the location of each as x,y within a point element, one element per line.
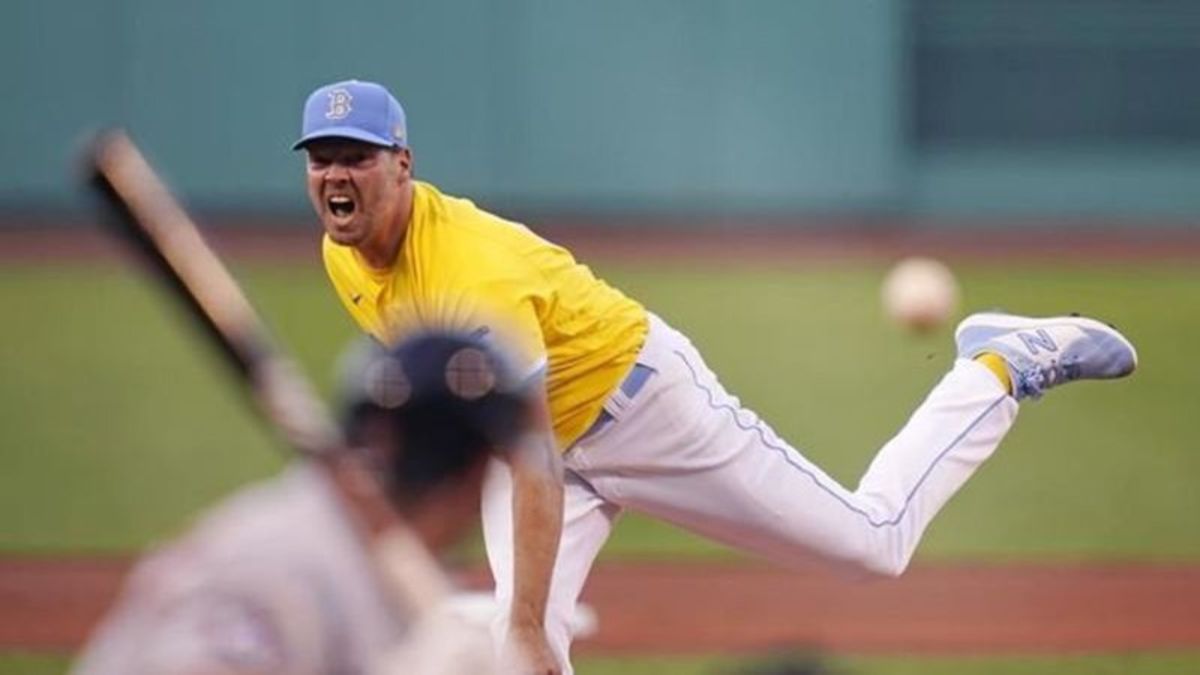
<point>288,399</point>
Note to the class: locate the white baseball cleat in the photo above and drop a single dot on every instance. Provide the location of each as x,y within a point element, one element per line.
<point>1044,353</point>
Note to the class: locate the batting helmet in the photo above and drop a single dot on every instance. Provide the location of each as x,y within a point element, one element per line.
<point>443,401</point>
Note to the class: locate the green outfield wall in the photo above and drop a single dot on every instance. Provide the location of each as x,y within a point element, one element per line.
<point>634,106</point>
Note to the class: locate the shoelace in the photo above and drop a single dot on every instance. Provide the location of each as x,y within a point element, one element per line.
<point>1033,381</point>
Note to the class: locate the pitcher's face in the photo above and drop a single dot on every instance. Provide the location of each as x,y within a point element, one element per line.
<point>355,187</point>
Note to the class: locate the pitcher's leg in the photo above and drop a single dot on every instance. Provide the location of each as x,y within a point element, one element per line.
<point>954,430</point>
<point>721,471</point>
<point>587,521</point>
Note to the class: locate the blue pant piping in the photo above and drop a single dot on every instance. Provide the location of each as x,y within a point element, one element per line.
<point>789,456</point>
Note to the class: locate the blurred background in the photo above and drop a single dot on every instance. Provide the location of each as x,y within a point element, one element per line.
<point>901,108</point>
<point>749,170</point>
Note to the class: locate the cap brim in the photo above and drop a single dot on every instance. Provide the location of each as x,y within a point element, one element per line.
<point>345,132</point>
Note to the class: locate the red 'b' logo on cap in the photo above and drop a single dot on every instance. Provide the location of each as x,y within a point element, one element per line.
<point>339,104</point>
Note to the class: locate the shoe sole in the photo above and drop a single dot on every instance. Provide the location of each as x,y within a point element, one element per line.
<point>1009,322</point>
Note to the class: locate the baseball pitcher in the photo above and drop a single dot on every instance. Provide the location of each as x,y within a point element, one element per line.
<point>633,417</point>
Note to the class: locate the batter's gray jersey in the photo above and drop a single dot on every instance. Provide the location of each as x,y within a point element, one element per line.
<point>271,580</point>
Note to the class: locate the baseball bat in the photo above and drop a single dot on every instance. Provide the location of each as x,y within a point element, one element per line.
<point>145,215</point>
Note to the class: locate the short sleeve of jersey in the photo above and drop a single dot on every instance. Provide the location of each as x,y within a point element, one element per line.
<point>508,308</point>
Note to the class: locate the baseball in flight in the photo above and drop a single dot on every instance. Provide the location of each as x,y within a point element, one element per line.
<point>920,294</point>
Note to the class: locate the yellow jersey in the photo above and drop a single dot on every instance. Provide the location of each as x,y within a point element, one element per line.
<point>459,265</point>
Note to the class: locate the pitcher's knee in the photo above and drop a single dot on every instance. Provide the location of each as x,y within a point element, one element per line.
<point>885,566</point>
<point>882,561</point>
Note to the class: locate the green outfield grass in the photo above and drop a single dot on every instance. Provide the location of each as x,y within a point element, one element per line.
<point>118,422</point>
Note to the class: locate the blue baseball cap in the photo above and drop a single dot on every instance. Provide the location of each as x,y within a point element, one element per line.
<point>363,111</point>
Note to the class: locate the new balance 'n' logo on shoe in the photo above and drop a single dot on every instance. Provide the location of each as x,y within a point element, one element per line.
<point>1045,352</point>
<point>1039,338</point>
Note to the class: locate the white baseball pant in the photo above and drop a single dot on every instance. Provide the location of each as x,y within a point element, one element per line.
<point>684,450</point>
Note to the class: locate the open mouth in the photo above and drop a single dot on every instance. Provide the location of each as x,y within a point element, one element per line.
<point>341,206</point>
